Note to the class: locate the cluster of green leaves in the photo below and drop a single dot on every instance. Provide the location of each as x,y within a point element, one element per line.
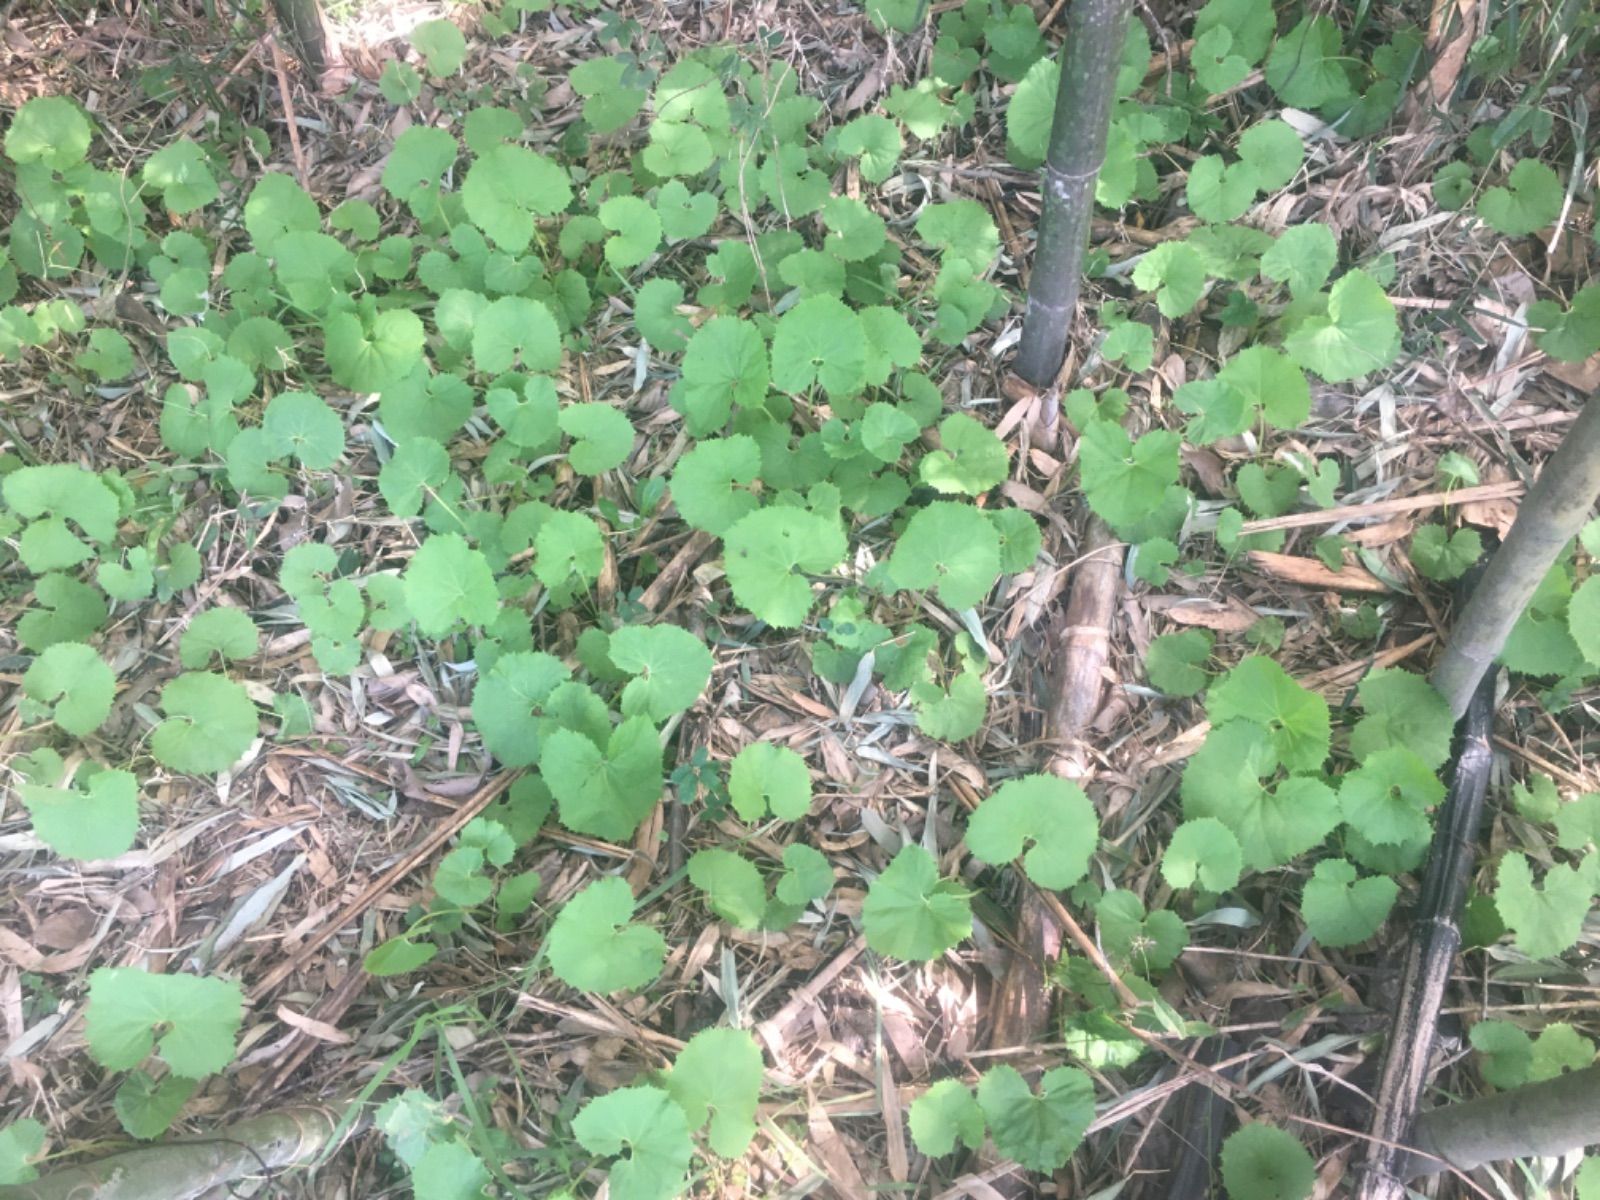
<point>818,451</point>
<point>1038,1128</point>
<point>188,1023</point>
<point>645,1135</point>
<point>1558,635</point>
<point>1257,795</point>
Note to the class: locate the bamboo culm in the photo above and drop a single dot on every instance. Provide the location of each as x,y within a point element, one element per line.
<point>1090,57</point>
<point>1547,1120</point>
<point>1549,517</point>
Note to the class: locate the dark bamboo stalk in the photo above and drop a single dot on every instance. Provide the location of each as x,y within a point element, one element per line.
<point>1090,57</point>
<point>1435,938</point>
<point>1549,517</point>
<point>302,20</point>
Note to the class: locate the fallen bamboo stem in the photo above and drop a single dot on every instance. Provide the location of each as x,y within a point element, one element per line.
<point>190,1168</point>
<point>1435,938</point>
<point>1549,517</point>
<point>1385,508</point>
<point>1542,1120</point>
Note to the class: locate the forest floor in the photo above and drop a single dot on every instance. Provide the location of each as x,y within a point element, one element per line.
<point>284,870</point>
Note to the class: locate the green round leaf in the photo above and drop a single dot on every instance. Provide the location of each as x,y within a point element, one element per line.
<point>767,778</point>
<point>608,105</point>
<point>1176,273</point>
<point>147,1108</point>
<point>302,425</point>
<point>1402,709</point>
<point>807,875</point>
<point>1546,919</point>
<point>733,886</point>
<point>417,470</point>
<point>1530,199</point>
<point>1218,192</point>
<point>1126,481</point>
<point>224,633</point>
<point>1360,334</point>
<point>569,553</point>
<point>514,331</point>
<point>671,668</point>
<point>1175,661</point>
<point>602,437</point>
<point>819,341</point>
<point>1225,780</point>
<point>1388,797</point>
<point>1507,1052</point>
<point>21,1143</point>
<point>1049,815</point>
<point>593,947</point>
<point>398,956</point>
<point>970,459</point>
<point>945,1114</point>
<point>505,189</point>
<point>767,555</point>
<point>1146,943</point>
<point>442,46</point>
<point>1341,910</point>
<point>1271,383</point>
<point>1306,68</point>
<point>278,205</point>
<point>189,1020</point>
<point>1559,1048</point>
<point>1273,152</point>
<point>416,166</point>
<point>1583,619</point>
<point>210,723</point>
<point>876,142</point>
<point>71,680</point>
<point>449,1171</point>
<point>954,713</point>
<point>684,214</point>
<point>648,1129</point>
<point>951,549</point>
<point>375,355</point>
<point>1303,256</point>
<point>607,792</point>
<point>1030,114</point>
<point>1260,1162</point>
<point>1039,1130</point>
<point>635,231</point>
<point>182,175</point>
<point>725,364</point>
<point>717,1077</point>
<point>97,821</point>
<point>1296,719</point>
<point>448,583</point>
<point>509,700</point>
<point>709,482</point>
<point>1439,554</point>
<point>51,130</point>
<point>855,232</point>
<point>655,312</point>
<point>1204,851</point>
<point>911,913</point>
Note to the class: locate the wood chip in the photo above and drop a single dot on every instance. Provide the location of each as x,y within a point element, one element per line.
<point>313,1028</point>
<point>1311,572</point>
<point>1234,616</point>
<point>836,1158</point>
